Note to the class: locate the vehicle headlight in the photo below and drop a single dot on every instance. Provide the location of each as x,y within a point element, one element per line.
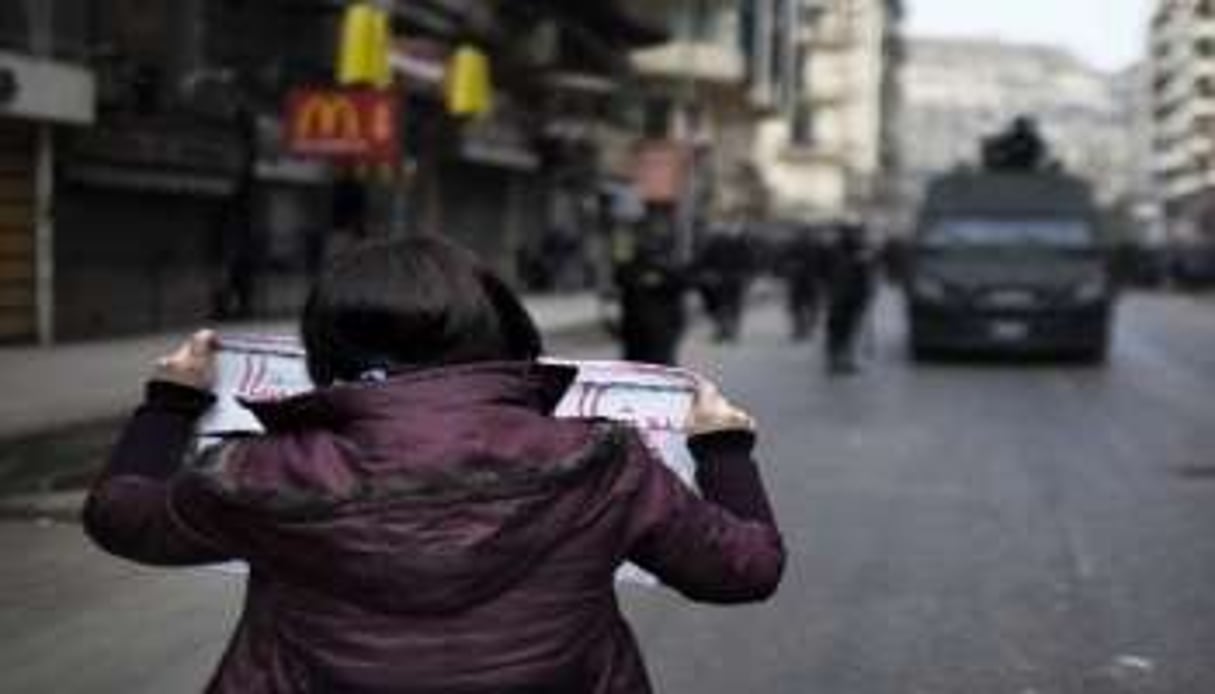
<point>1090,291</point>
<point>929,289</point>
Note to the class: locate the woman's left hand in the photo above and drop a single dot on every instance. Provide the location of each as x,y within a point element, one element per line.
<point>192,365</point>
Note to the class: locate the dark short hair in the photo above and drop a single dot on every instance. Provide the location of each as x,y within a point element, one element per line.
<point>412,302</point>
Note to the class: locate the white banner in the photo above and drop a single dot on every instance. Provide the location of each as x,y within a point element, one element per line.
<point>655,399</point>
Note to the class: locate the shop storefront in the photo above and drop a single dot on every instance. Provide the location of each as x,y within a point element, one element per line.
<point>18,296</point>
<point>149,216</point>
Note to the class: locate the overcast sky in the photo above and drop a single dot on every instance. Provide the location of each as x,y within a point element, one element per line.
<point>1109,34</point>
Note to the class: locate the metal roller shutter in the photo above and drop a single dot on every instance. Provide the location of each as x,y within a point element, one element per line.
<point>17,221</point>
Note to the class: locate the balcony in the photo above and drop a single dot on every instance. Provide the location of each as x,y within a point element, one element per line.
<point>828,82</point>
<point>1170,26</point>
<point>713,64</point>
<point>1174,96</point>
<point>1178,158</point>
<point>1186,183</point>
<point>1203,28</point>
<point>825,151</point>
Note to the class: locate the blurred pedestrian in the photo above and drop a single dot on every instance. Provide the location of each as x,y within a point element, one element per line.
<point>850,290</point>
<point>652,286</point>
<point>420,522</point>
<point>803,264</point>
<point>723,271</point>
<point>239,254</point>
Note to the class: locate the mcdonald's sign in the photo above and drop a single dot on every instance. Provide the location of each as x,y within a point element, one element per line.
<point>353,125</point>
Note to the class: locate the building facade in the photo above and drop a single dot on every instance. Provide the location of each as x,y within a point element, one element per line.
<point>154,197</point>
<point>523,184</point>
<point>146,183</point>
<point>833,156</point>
<point>703,94</point>
<point>1182,66</point>
<point>1139,203</point>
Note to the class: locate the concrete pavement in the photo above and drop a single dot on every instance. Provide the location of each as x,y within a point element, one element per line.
<point>49,388</point>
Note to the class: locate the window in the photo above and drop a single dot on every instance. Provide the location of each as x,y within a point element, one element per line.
<point>14,25</point>
<point>70,29</point>
<point>747,23</point>
<point>809,12</point>
<point>802,131</point>
<point>778,58</point>
<point>56,28</point>
<point>702,22</point>
<point>657,117</point>
<point>1045,232</point>
<point>798,78</point>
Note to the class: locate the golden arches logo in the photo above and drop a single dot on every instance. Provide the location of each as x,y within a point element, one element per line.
<point>328,116</point>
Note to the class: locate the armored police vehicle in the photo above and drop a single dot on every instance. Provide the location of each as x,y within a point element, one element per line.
<point>1010,257</point>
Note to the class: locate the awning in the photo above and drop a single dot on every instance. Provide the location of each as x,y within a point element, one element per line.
<point>144,180</point>
<point>503,155</point>
<point>49,91</point>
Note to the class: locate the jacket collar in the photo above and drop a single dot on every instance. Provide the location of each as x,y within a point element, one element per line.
<point>530,385</point>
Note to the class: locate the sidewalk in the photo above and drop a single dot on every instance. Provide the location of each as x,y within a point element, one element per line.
<point>85,388</point>
<point>49,388</point>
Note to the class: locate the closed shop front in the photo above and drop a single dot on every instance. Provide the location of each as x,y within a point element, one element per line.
<point>146,213</point>
<point>18,320</point>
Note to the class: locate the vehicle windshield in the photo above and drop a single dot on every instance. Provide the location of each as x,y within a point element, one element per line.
<point>1051,233</point>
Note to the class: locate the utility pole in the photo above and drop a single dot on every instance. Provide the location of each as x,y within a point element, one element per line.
<point>41,22</point>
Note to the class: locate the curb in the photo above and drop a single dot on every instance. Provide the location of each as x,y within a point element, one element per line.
<point>62,507</point>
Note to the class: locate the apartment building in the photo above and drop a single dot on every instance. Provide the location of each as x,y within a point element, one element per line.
<point>728,65</point>
<point>1182,66</point>
<point>833,157</point>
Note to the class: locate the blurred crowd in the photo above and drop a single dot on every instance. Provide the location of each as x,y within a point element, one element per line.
<point>826,275</point>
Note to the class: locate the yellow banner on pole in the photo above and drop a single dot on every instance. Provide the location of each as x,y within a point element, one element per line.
<point>470,90</point>
<point>363,52</point>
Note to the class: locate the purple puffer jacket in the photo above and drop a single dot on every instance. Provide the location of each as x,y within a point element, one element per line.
<point>438,532</point>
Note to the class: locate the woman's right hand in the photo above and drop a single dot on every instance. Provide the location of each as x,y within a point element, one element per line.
<point>712,412</point>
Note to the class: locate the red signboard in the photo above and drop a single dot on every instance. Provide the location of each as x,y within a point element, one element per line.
<point>662,169</point>
<point>353,125</point>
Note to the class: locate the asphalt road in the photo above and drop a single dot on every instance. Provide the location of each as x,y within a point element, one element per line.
<point>975,528</point>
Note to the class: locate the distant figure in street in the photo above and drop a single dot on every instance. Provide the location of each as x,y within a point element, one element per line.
<point>652,287</point>
<point>234,297</point>
<point>240,250</point>
<point>421,522</point>
<point>803,266</point>
<point>723,270</point>
<point>850,290</point>
<point>892,259</point>
<point>349,212</point>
